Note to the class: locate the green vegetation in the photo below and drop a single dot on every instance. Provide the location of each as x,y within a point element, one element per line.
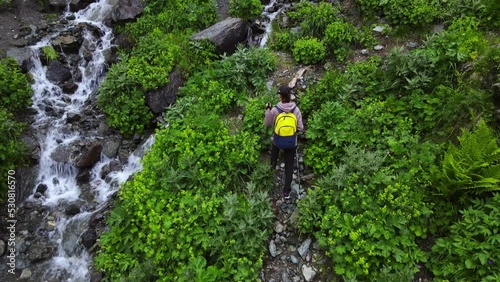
<point>403,144</point>
<point>15,94</point>
<point>49,52</point>
<point>245,9</point>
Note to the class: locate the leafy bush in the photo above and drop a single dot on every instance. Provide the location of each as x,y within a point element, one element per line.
<point>335,126</point>
<point>338,37</point>
<point>49,52</point>
<point>186,213</point>
<point>15,90</point>
<point>152,60</point>
<point>473,165</point>
<point>169,16</point>
<point>413,12</point>
<point>239,76</point>
<point>486,11</point>
<point>366,221</point>
<point>461,42</point>
<point>442,111</point>
<point>360,79</point>
<point>253,119</point>
<point>314,18</point>
<point>123,102</point>
<point>470,251</point>
<point>12,150</point>
<point>245,9</point>
<point>308,50</point>
<point>214,95</point>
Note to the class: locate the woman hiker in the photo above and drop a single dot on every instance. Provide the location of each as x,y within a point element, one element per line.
<point>284,106</point>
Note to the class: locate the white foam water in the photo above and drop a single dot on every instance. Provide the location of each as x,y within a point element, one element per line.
<point>72,262</point>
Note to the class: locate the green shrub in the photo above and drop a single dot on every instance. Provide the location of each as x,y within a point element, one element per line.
<point>360,79</point>
<point>170,16</point>
<point>366,221</point>
<point>253,117</point>
<point>461,42</point>
<point>123,102</point>
<point>152,59</point>
<point>441,112</point>
<point>335,126</point>
<point>470,251</point>
<point>338,38</point>
<point>15,90</point>
<point>245,9</point>
<point>472,166</point>
<point>49,52</point>
<point>213,95</point>
<point>186,215</point>
<point>239,76</point>
<point>314,18</point>
<point>413,12</point>
<point>12,150</point>
<point>308,50</point>
<point>486,11</point>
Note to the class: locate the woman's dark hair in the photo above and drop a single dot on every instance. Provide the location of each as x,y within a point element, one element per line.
<point>284,92</point>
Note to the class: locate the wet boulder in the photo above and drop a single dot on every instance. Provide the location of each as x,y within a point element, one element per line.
<point>91,157</point>
<point>69,43</point>
<point>57,72</point>
<point>22,56</point>
<point>226,34</point>
<point>159,99</point>
<point>88,238</point>
<point>127,10</point>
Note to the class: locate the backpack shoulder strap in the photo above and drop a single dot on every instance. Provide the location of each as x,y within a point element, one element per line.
<point>279,109</point>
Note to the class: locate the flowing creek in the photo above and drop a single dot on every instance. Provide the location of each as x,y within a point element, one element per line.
<point>71,261</point>
<point>53,107</point>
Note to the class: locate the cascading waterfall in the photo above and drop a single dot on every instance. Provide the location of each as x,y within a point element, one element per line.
<point>268,24</point>
<point>71,262</point>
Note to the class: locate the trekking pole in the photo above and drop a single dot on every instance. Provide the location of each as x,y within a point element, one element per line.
<point>298,166</point>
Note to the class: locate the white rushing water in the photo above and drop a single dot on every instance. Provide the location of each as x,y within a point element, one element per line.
<point>71,262</point>
<point>268,24</point>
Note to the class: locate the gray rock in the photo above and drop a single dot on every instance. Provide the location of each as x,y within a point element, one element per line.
<point>272,249</point>
<point>83,176</point>
<point>72,209</point>
<point>41,188</point>
<point>284,277</point>
<point>22,56</point>
<point>39,252</point>
<point>69,87</point>
<point>73,117</point>
<point>226,34</point>
<point>26,274</point>
<point>114,165</point>
<point>304,248</point>
<point>378,48</point>
<point>2,247</point>
<point>91,157</point>
<point>126,10</point>
<point>364,52</point>
<point>294,259</point>
<point>61,154</point>
<point>308,272</point>
<point>378,28</point>
<point>158,100</point>
<point>110,147</point>
<point>438,28</point>
<point>88,238</point>
<point>69,43</point>
<point>57,72</point>
<point>412,45</point>
<point>278,227</point>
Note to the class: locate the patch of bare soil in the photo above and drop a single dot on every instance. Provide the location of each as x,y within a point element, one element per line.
<point>15,19</point>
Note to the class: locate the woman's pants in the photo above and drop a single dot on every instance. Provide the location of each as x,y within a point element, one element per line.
<point>289,155</point>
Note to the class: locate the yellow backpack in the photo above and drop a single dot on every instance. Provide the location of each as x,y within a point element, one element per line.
<point>285,129</point>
